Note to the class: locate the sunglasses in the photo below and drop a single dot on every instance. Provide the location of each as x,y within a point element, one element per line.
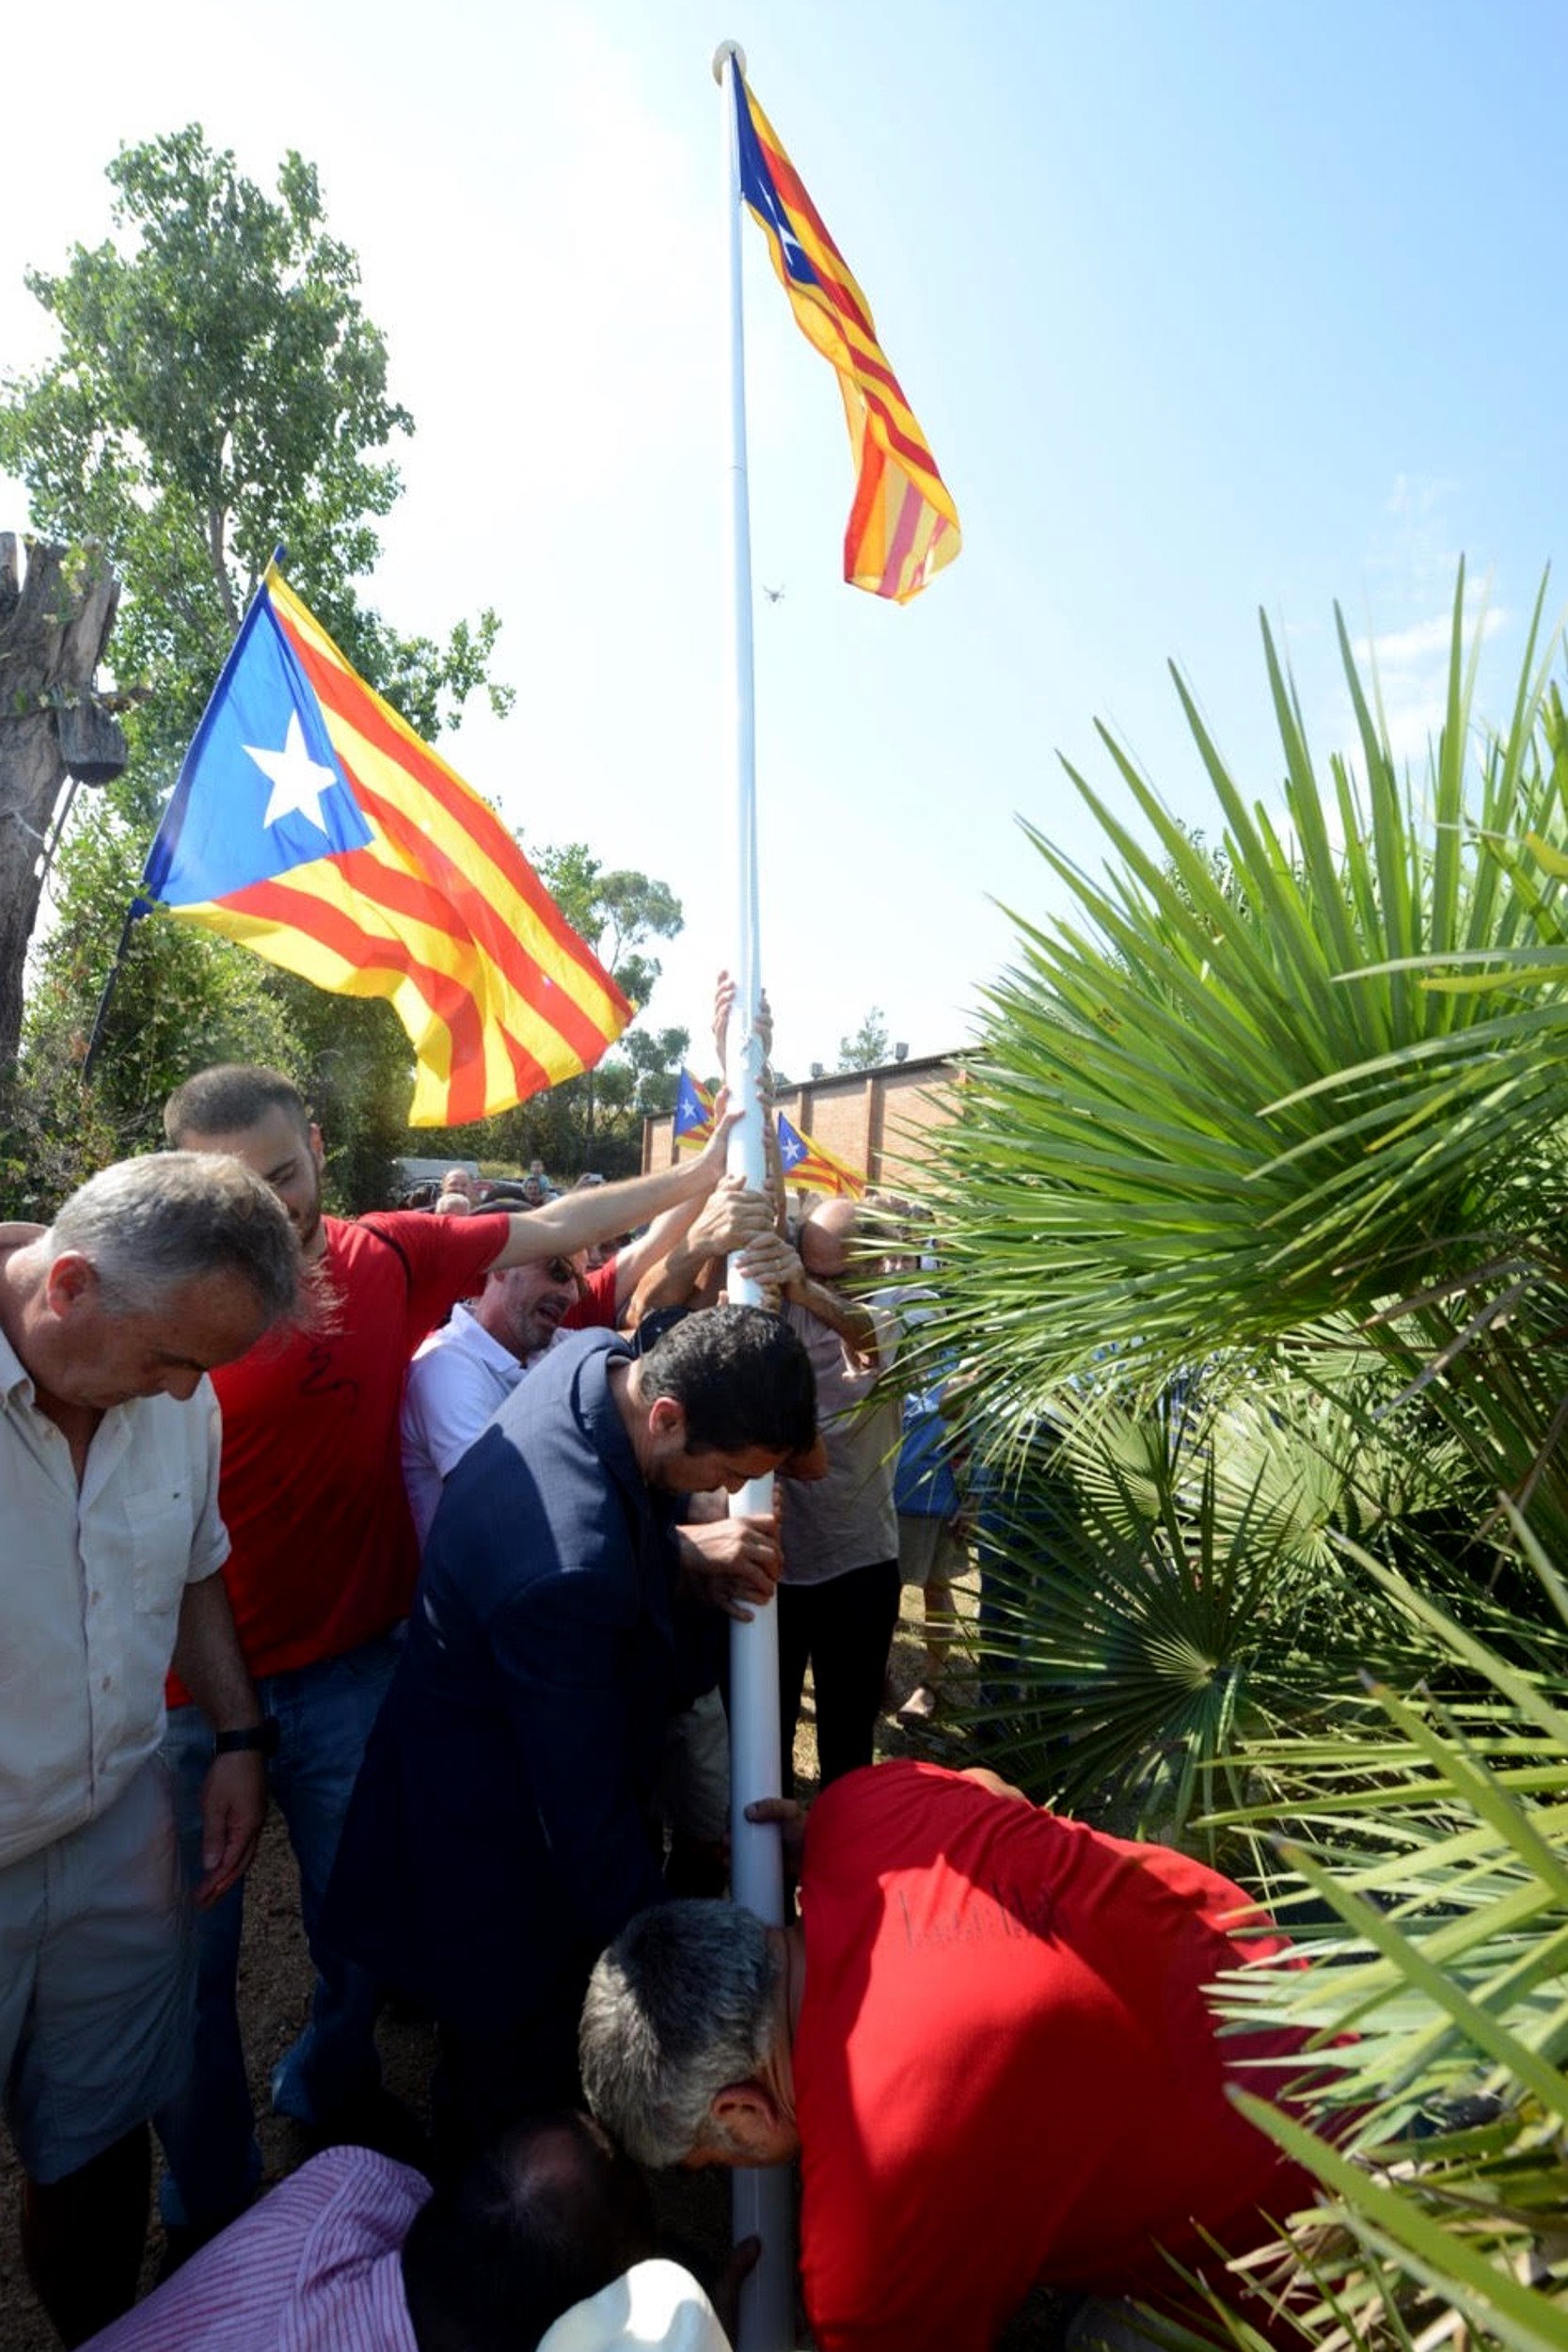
<point>562,1270</point>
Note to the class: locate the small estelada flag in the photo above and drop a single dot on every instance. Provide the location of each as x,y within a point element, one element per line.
<point>810,1169</point>
<point>310,824</point>
<point>693,1112</point>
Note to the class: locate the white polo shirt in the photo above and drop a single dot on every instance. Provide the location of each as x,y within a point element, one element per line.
<point>91,1579</point>
<point>460,1377</point>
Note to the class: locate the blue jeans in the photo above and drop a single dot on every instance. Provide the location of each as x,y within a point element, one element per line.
<point>324,1713</point>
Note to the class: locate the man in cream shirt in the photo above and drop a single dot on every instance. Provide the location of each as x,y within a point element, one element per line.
<point>110,1320</point>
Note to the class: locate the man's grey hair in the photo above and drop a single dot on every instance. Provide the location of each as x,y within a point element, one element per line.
<point>682,2004</point>
<point>148,1225</point>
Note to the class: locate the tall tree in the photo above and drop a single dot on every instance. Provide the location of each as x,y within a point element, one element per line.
<point>616,910</point>
<point>217,387</point>
<point>868,1048</point>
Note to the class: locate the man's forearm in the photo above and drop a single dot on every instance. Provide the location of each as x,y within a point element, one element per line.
<point>735,1221</point>
<point>576,1220</point>
<point>669,1283</point>
<point>208,1660</point>
<point>854,1325</point>
<point>643,1257</point>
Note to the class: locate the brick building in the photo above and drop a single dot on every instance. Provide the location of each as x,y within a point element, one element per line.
<point>872,1118</point>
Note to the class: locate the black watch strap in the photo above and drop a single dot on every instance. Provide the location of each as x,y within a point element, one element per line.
<point>260,1739</point>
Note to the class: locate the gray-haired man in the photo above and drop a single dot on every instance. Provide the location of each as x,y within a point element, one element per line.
<point>110,1321</point>
<point>988,2040</point>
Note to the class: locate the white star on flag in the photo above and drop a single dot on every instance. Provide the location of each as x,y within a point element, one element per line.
<point>298,780</point>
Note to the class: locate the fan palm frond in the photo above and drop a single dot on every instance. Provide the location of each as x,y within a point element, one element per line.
<point>1325,1075</point>
<point>1435,1836</point>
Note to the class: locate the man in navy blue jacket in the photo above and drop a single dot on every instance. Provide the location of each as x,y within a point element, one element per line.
<point>497,1838</point>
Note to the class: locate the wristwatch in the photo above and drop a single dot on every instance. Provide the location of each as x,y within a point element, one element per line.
<point>259,1739</point>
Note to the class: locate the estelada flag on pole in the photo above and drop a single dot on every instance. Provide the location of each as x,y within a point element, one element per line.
<point>903,526</point>
<point>808,1168</point>
<point>693,1122</point>
<point>311,824</point>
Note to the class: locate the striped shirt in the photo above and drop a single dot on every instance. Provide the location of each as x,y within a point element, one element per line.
<point>314,2268</point>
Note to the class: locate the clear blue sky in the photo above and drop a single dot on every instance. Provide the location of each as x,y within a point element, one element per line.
<point>1204,307</point>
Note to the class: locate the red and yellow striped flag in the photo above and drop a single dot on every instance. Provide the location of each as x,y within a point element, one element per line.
<point>903,526</point>
<point>810,1166</point>
<point>311,824</point>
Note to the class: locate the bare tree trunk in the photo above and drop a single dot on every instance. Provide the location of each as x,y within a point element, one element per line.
<point>53,627</point>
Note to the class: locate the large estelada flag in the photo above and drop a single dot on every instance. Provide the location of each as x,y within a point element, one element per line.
<point>311,824</point>
<point>903,526</point>
<point>809,1168</point>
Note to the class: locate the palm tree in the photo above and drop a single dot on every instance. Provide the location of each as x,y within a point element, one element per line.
<point>1320,1075</point>
<point>1164,1592</point>
<point>1440,1990</point>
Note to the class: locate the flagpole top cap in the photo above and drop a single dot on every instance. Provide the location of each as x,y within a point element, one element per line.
<point>728,48</point>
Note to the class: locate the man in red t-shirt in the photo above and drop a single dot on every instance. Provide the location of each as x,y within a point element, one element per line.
<point>321,1573</point>
<point>988,2042</point>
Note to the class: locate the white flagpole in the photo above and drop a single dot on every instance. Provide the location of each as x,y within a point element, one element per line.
<point>763,2201</point>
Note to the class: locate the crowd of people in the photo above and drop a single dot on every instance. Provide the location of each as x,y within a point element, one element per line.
<point>417,1526</point>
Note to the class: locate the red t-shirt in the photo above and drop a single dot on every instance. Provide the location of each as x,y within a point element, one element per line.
<point>1005,2069</point>
<point>311,1487</point>
<point>596,1309</point>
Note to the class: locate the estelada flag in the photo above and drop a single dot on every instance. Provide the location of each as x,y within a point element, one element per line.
<point>903,526</point>
<point>808,1168</point>
<point>311,824</point>
<point>693,1112</point>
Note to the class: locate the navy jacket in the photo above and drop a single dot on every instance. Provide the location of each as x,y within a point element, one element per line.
<point>495,1843</point>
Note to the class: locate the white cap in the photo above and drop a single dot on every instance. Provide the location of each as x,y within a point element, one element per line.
<point>654,2304</point>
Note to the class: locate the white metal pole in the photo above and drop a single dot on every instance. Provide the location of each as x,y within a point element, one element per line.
<point>763,2201</point>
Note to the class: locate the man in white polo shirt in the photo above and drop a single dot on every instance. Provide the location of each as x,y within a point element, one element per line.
<point>463,1373</point>
<point>468,1369</point>
<point>110,1320</point>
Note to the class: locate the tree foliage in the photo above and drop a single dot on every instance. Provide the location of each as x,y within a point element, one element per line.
<point>867,1049</point>
<point>1433,1834</point>
<point>617,911</point>
<point>1164,1587</point>
<point>217,387</point>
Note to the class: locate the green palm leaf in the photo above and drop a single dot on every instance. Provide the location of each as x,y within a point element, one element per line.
<point>1321,1071</point>
<point>1450,1966</point>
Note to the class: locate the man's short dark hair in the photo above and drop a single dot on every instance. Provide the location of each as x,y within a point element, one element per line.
<point>741,1378</point>
<point>549,2215</point>
<point>229,1096</point>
